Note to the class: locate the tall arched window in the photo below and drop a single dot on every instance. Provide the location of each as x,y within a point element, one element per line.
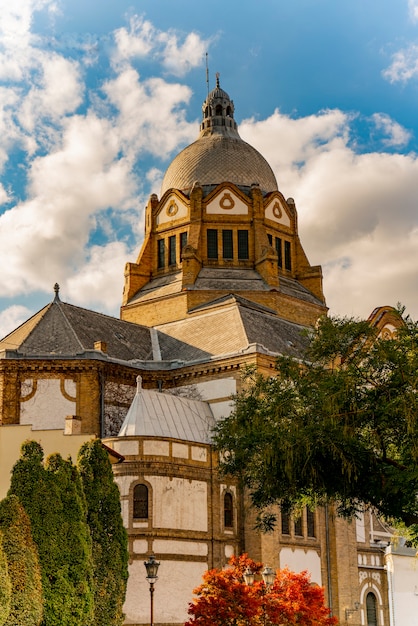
<point>228,511</point>
<point>371,609</point>
<point>140,508</point>
<point>310,522</point>
<point>218,110</point>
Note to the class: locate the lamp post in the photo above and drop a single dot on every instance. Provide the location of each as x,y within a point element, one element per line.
<point>268,575</point>
<point>152,568</point>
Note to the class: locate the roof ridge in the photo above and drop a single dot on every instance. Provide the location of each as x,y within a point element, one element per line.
<point>69,325</point>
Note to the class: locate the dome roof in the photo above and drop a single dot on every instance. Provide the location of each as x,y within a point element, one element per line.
<point>215,159</point>
<point>219,154</point>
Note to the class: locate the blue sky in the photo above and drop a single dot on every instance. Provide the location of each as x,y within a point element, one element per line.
<point>96,98</point>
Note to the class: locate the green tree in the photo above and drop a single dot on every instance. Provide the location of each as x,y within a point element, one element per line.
<point>110,549</point>
<point>341,426</point>
<point>26,607</point>
<point>52,496</point>
<point>5,585</point>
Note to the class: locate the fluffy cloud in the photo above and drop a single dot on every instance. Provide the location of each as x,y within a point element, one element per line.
<point>141,38</point>
<point>357,212</point>
<point>12,317</point>
<point>413,9</point>
<point>404,65</point>
<point>395,134</point>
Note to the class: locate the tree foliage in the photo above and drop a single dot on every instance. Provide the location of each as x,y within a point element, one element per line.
<point>225,599</point>
<point>5,585</point>
<point>26,607</point>
<point>53,498</point>
<point>340,426</point>
<point>110,550</point>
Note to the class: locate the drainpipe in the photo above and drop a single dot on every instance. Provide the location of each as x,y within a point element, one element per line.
<point>328,556</point>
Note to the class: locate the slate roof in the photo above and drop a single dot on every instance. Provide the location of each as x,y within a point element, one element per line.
<point>157,414</point>
<point>65,330</point>
<point>229,325</point>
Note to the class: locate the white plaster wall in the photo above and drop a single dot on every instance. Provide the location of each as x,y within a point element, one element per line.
<point>128,448</point>
<point>360,528</point>
<point>179,503</point>
<point>213,389</point>
<point>199,454</point>
<point>191,548</point>
<point>299,559</point>
<point>180,450</point>
<point>180,210</point>
<point>276,212</point>
<point>173,591</point>
<point>221,409</point>
<point>403,589</point>
<point>227,199</point>
<point>155,447</point>
<point>47,409</point>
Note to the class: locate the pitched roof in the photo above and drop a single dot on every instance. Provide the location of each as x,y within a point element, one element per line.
<point>65,330</point>
<point>229,325</point>
<point>157,414</point>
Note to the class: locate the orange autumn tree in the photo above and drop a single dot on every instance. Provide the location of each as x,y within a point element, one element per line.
<point>225,599</point>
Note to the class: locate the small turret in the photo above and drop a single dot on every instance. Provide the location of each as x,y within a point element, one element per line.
<point>218,113</point>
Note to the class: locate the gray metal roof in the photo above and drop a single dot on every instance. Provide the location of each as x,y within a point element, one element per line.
<point>156,414</point>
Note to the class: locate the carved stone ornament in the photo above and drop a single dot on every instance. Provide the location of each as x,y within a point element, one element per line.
<point>172,208</point>
<point>227,202</point>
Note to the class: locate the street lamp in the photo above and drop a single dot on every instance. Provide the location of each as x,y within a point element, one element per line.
<point>268,575</point>
<point>152,568</point>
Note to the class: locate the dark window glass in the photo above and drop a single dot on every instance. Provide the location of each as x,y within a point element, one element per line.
<point>278,243</point>
<point>172,250</point>
<point>298,527</point>
<point>183,243</point>
<point>285,524</point>
<point>218,110</point>
<point>161,253</point>
<point>227,245</point>
<point>371,609</point>
<point>310,521</point>
<point>228,511</point>
<point>270,238</point>
<point>141,502</point>
<point>212,240</point>
<point>243,244</point>
<point>287,256</point>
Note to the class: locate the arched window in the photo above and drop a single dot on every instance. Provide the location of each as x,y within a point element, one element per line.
<point>228,111</point>
<point>218,110</point>
<point>285,523</point>
<point>371,609</point>
<point>310,522</point>
<point>140,508</point>
<point>228,511</point>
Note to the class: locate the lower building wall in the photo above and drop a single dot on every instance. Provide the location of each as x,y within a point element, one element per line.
<point>12,437</point>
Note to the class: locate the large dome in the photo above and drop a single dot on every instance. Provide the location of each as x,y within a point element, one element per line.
<point>219,154</point>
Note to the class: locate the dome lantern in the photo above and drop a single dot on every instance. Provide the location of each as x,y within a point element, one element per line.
<point>218,111</point>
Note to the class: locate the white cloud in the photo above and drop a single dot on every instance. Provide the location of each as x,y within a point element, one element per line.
<point>44,239</point>
<point>151,117</point>
<point>99,283</point>
<point>141,38</point>
<point>12,317</point>
<point>404,65</point>
<point>180,58</point>
<point>357,212</point>
<point>397,135</point>
<point>413,9</point>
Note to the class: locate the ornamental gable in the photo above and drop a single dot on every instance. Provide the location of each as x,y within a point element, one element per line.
<point>226,202</point>
<point>172,209</point>
<point>276,211</point>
